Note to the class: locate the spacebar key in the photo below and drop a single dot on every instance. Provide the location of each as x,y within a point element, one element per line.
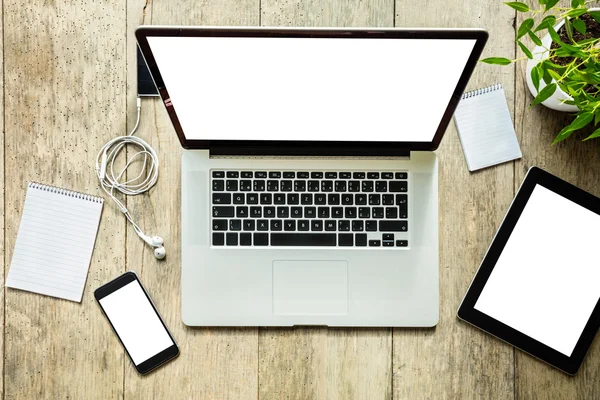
<point>302,239</point>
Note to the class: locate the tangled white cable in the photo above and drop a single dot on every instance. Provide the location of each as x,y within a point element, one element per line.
<point>111,180</point>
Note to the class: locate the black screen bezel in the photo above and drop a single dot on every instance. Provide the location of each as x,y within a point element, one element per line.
<point>156,360</point>
<point>314,148</point>
<point>467,311</point>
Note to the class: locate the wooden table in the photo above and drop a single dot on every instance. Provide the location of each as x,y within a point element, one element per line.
<point>69,79</point>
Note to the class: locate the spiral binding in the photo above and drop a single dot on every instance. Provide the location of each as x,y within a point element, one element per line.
<point>477,92</point>
<point>66,192</point>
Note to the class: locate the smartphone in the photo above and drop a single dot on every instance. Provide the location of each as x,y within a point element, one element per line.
<point>145,84</point>
<point>134,319</point>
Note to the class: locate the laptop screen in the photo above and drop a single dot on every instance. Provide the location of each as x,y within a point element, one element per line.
<point>310,89</point>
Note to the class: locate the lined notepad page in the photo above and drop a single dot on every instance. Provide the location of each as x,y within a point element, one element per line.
<point>485,129</point>
<point>55,242</point>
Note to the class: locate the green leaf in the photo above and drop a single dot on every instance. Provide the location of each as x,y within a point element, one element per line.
<point>542,2</point>
<point>548,21</point>
<point>576,12</point>
<point>597,117</point>
<point>517,5</point>
<point>534,38</point>
<point>546,76</point>
<point>496,60</point>
<point>582,120</point>
<point>594,134</point>
<point>550,4</point>
<point>535,77</point>
<point>595,15</point>
<point>554,75</point>
<point>554,35</point>
<point>525,50</point>
<point>579,25</point>
<point>524,27</point>
<point>544,94</point>
<point>569,29</point>
<point>577,3</point>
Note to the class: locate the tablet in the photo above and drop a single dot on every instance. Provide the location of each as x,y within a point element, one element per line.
<point>538,286</point>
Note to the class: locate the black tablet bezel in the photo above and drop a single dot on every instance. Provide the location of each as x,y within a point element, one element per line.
<point>159,358</point>
<point>312,148</point>
<point>467,312</point>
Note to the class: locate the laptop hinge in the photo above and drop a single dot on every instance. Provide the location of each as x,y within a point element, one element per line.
<point>266,157</point>
<point>306,152</point>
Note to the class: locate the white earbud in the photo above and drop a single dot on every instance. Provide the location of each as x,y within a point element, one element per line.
<point>157,243</point>
<point>160,253</point>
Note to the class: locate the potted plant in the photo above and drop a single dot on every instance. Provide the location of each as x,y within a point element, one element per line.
<point>563,70</point>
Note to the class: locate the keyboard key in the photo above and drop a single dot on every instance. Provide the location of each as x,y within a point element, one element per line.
<point>283,212</point>
<point>374,199</point>
<point>345,239</point>
<point>320,199</point>
<point>245,185</point>
<point>232,239</point>
<point>249,225</point>
<point>358,175</point>
<point>333,199</point>
<point>310,212</point>
<point>238,198</point>
<point>303,239</point>
<point>259,185</point>
<point>289,225</point>
<point>354,186</point>
<point>330,225</point>
<point>219,224</point>
<point>275,174</point>
<point>350,212</point>
<point>303,225</point>
<point>378,212</point>
<point>340,186</point>
<point>289,174</point>
<point>262,225</point>
<point>218,239</point>
<point>233,174</point>
<point>387,175</point>
<point>316,225</point>
<point>247,174</point>
<point>306,199</point>
<point>347,199</point>
<point>391,212</point>
<point>323,212</point>
<point>261,239</point>
<point>364,212</point>
<point>337,212</point>
<point>296,212</point>
<point>345,175</point>
<point>293,199</point>
<point>278,198</point>
<point>221,198</point>
<point>256,212</point>
<point>401,175</point>
<point>316,175</point>
<point>231,186</point>
<point>343,225</point>
<point>381,186</point>
<point>252,198</point>
<point>313,186</point>
<point>303,175</point>
<point>401,243</point>
<point>360,239</point>
<point>269,212</point>
<point>266,198</point>
<point>260,174</point>
<point>374,243</point>
<point>367,186</point>
<point>398,186</point>
<point>218,185</point>
<point>299,186</point>
<point>371,226</point>
<point>222,211</point>
<point>388,236</point>
<point>402,202</point>
<point>388,243</point>
<point>372,175</point>
<point>361,199</point>
<point>393,226</point>
<point>326,186</point>
<point>276,225</point>
<point>286,186</point>
<point>331,175</point>
<point>357,225</point>
<point>245,239</point>
<point>218,174</point>
<point>241,212</point>
<point>235,225</point>
<point>387,199</point>
<point>272,186</point>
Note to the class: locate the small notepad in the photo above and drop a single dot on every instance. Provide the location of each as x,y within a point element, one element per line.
<point>485,128</point>
<point>55,242</point>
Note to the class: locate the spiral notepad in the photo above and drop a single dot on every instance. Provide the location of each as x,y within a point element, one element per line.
<point>55,242</point>
<point>485,128</point>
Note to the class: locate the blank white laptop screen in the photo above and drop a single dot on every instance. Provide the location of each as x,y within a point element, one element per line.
<point>225,88</point>
<point>546,282</point>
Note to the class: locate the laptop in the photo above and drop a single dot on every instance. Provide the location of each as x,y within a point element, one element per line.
<point>309,182</point>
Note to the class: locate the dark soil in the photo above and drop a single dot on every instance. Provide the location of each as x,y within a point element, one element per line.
<point>592,31</point>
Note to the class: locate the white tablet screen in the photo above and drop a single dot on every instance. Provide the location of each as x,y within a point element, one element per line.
<point>546,282</point>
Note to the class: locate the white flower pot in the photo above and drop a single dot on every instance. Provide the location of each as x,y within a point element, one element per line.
<point>540,53</point>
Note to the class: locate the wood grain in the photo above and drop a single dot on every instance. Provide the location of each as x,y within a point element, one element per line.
<point>65,95</point>
<point>455,360</point>
<point>2,215</point>
<point>214,363</point>
<point>578,163</point>
<point>317,363</point>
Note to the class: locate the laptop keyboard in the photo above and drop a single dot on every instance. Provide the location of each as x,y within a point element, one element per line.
<point>366,209</point>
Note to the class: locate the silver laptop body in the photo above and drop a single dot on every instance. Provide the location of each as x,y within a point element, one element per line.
<point>309,188</point>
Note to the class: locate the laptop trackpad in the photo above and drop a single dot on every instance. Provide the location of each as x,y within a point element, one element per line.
<point>310,287</point>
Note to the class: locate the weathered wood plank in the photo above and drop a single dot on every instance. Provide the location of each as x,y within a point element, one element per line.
<point>579,163</point>
<point>325,363</point>
<point>65,95</point>
<point>455,360</point>
<point>2,216</point>
<point>214,363</point>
